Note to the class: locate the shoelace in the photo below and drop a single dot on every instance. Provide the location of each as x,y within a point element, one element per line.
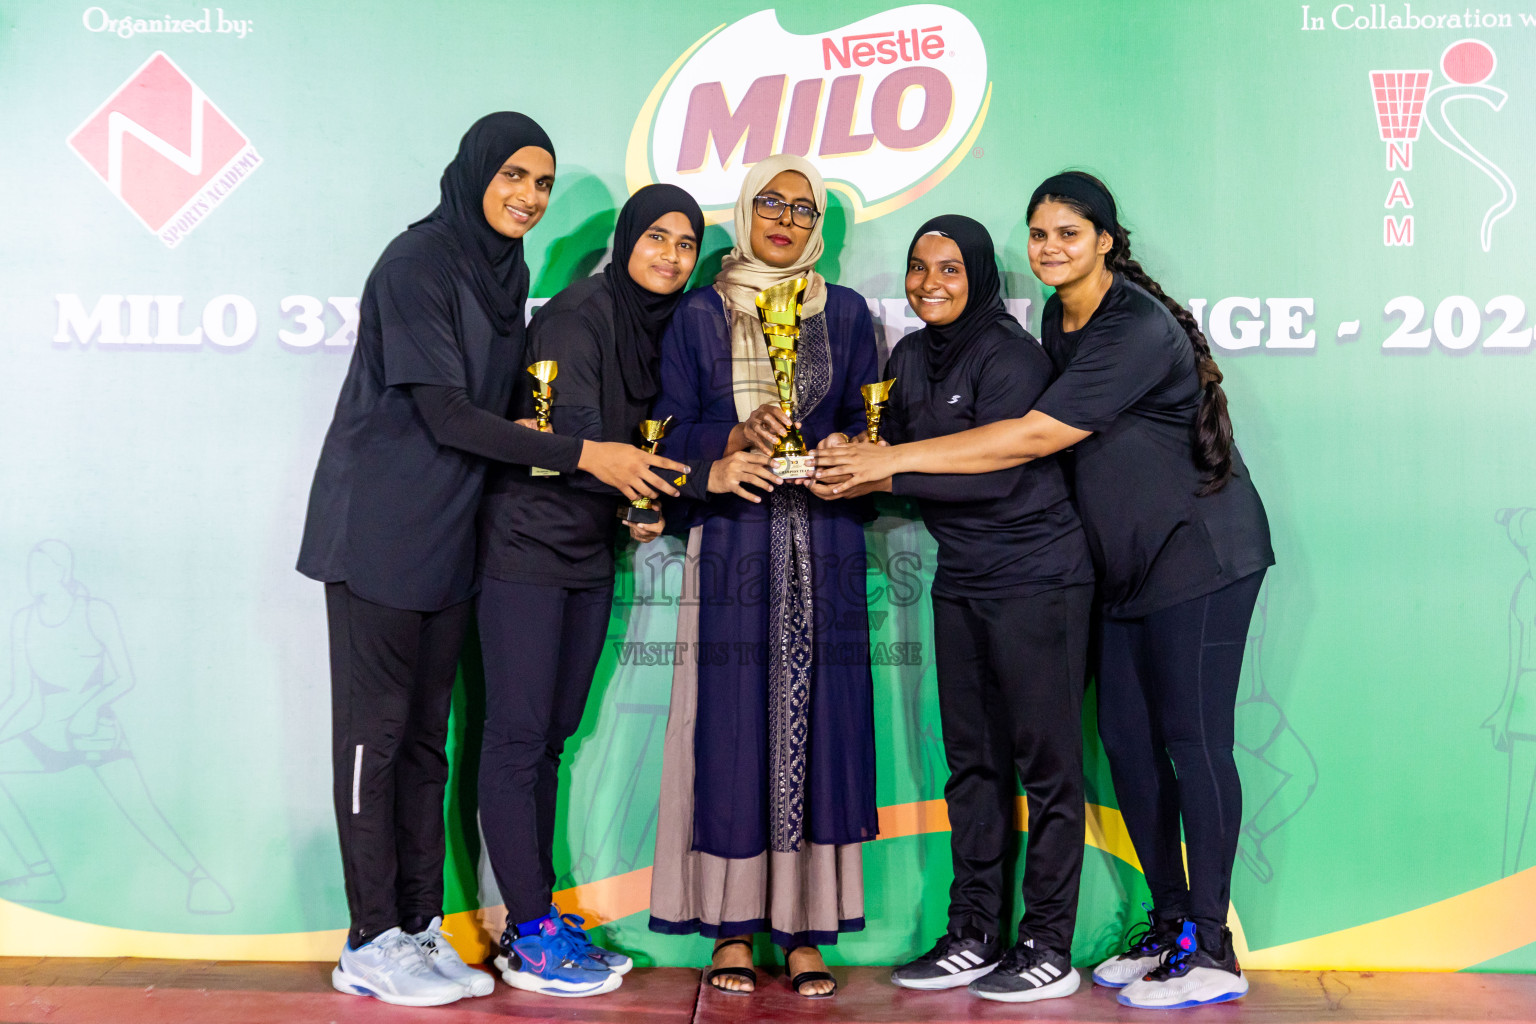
<point>575,927</point>
<point>1175,964</point>
<point>1144,940</point>
<point>940,949</point>
<point>404,951</point>
<point>1021,958</point>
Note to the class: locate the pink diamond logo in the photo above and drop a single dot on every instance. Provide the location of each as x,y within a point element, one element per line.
<point>162,147</point>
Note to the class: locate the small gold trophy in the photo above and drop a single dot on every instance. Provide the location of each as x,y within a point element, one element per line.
<point>544,372</point>
<point>645,510</point>
<point>779,309</point>
<point>875,395</point>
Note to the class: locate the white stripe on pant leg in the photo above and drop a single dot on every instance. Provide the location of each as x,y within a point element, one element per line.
<point>357,780</point>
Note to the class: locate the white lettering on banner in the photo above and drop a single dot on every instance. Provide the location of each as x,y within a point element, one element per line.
<point>213,22</point>
<point>885,108</point>
<point>1233,323</point>
<point>1402,17</point>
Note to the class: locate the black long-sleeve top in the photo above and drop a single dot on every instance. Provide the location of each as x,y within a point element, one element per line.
<point>560,531</point>
<point>1010,533</point>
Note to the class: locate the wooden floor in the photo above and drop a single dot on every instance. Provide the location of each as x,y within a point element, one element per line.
<point>77,991</point>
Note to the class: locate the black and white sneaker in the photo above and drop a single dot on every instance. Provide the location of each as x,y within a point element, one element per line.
<point>1145,948</point>
<point>1026,973</point>
<point>953,961</point>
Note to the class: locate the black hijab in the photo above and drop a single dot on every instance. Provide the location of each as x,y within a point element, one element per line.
<point>640,315</point>
<point>984,302</point>
<point>494,262</point>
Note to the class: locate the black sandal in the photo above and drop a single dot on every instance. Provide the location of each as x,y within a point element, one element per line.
<point>746,973</point>
<point>806,977</point>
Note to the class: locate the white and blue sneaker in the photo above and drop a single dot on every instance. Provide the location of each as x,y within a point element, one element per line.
<point>549,963</point>
<point>1144,950</point>
<point>445,960</point>
<point>575,929</point>
<point>392,969</point>
<point>1190,975</point>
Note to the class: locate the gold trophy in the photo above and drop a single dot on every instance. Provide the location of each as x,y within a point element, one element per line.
<point>779,309</point>
<point>875,395</point>
<point>646,510</point>
<point>544,372</point>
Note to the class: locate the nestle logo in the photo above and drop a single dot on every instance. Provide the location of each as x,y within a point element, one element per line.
<point>872,48</point>
<point>163,148</point>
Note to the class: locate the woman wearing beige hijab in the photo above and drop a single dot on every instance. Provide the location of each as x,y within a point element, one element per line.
<point>768,778</point>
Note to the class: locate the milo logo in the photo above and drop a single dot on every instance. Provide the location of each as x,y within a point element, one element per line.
<point>885,107</point>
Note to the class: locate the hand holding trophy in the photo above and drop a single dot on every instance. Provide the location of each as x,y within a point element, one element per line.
<point>875,395</point>
<point>648,510</point>
<point>778,308</point>
<point>544,372</point>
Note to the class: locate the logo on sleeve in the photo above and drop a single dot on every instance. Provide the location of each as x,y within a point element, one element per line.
<point>161,146</point>
<point>953,399</point>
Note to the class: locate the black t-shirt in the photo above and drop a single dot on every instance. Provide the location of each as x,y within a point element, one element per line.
<point>1011,533</point>
<point>392,512</point>
<point>1128,375</point>
<point>560,531</point>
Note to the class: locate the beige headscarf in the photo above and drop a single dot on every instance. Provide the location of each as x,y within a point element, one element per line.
<point>742,275</point>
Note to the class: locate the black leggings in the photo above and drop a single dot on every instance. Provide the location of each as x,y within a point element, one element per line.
<point>1167,690</point>
<point>541,646</point>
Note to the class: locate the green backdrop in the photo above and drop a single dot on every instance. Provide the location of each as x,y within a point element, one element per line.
<point>177,277</point>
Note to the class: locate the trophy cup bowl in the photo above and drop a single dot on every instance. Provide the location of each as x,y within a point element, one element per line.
<point>778,308</point>
<point>875,395</point>
<point>646,510</point>
<point>544,372</point>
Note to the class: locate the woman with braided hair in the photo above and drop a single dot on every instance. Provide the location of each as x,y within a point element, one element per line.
<point>1180,545</point>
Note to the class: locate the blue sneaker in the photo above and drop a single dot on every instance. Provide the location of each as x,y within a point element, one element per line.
<point>1190,975</point>
<point>575,929</point>
<point>548,962</point>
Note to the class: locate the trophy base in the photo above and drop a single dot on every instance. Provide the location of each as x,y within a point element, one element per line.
<point>536,471</point>
<point>640,516</point>
<point>791,467</point>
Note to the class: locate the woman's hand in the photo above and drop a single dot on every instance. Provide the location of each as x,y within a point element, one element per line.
<point>846,467</point>
<point>766,427</point>
<point>529,422</point>
<point>628,469</point>
<point>730,475</point>
<point>644,533</point>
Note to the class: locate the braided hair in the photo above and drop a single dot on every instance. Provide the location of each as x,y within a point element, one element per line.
<point>1213,427</point>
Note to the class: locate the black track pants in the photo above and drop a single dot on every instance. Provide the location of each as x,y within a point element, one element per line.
<point>1011,676</point>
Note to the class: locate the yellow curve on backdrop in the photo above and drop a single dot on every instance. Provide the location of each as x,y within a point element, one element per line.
<point>1469,929</point>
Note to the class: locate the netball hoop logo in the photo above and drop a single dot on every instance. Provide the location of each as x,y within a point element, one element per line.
<point>885,107</point>
<point>164,149</point>
<point>1405,102</point>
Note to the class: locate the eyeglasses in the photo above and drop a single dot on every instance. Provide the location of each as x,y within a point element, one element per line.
<point>772,208</point>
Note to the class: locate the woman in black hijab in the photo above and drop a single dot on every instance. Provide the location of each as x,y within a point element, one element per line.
<point>390,532</point>
<point>1011,597</point>
<point>547,568</point>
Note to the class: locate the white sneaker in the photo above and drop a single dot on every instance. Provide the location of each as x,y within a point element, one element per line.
<point>445,961</point>
<point>1190,976</point>
<point>1144,950</point>
<point>392,969</point>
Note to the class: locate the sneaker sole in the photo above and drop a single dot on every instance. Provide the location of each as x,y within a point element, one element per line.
<point>955,980</point>
<point>529,982</point>
<point>341,981</point>
<point>481,986</point>
<point>1058,989</point>
<point>1225,997</point>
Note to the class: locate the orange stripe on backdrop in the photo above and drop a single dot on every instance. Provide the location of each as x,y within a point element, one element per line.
<point>1467,929</point>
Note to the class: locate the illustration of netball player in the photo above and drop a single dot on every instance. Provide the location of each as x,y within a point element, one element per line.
<point>68,666</point>
<point>1514,721</point>
<point>1264,734</point>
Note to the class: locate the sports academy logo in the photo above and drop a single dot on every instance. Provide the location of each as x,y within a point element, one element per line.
<point>885,107</point>
<point>163,148</point>
<point>1405,103</point>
